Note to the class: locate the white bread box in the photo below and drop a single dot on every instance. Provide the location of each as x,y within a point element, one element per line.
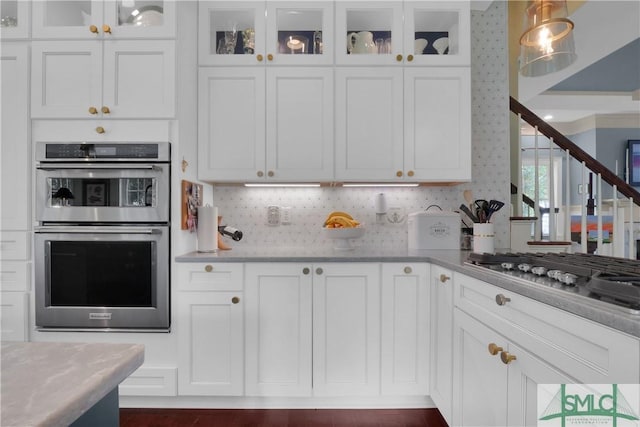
<point>434,230</point>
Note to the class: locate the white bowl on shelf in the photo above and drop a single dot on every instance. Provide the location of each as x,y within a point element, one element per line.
<point>343,237</point>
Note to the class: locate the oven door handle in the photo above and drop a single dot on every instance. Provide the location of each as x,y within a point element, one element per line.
<point>58,166</point>
<point>81,230</point>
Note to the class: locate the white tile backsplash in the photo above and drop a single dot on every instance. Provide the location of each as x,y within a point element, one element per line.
<point>246,208</point>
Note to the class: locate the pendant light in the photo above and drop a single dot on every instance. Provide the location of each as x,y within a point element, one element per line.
<point>546,44</point>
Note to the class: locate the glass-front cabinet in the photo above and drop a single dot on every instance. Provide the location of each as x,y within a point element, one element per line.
<point>369,33</point>
<point>14,21</point>
<point>409,33</point>
<point>437,33</point>
<point>112,18</point>
<point>258,33</point>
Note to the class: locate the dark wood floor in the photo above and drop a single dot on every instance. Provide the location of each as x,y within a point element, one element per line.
<point>281,417</point>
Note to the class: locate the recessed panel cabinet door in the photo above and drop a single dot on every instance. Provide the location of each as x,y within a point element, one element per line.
<point>139,79</point>
<point>346,329</point>
<point>231,124</point>
<point>442,340</point>
<point>369,124</point>
<point>479,377</point>
<point>299,124</point>
<point>405,329</point>
<point>14,188</point>
<point>66,79</point>
<point>210,358</point>
<point>525,373</point>
<point>437,123</point>
<point>278,329</point>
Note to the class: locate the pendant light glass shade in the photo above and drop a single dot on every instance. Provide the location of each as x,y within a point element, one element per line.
<point>546,44</point>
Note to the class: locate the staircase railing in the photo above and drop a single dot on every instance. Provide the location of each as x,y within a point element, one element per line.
<point>619,186</point>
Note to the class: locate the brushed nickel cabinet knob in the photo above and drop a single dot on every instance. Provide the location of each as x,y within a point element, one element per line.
<point>501,299</point>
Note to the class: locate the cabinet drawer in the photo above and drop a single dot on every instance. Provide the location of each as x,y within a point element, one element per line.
<point>14,275</point>
<point>14,245</point>
<point>210,276</point>
<point>587,351</point>
<point>114,130</point>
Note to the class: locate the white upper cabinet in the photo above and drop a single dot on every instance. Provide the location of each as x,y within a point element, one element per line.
<point>15,150</point>
<point>409,33</point>
<point>259,33</point>
<point>14,19</point>
<point>90,19</point>
<point>437,124</point>
<point>437,33</point>
<point>410,125</point>
<point>368,33</point>
<point>115,79</point>
<point>259,125</point>
<point>369,129</point>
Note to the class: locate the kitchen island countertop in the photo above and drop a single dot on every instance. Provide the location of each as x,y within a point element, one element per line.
<point>52,384</point>
<point>452,259</point>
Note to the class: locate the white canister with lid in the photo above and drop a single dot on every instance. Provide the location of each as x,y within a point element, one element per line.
<point>434,230</point>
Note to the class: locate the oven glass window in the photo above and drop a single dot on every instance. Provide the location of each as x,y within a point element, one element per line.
<point>107,192</point>
<point>96,274</point>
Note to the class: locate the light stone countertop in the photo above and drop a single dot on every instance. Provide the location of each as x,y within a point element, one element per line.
<point>52,384</point>
<point>451,259</point>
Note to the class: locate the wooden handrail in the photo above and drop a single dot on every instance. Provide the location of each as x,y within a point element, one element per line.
<point>526,199</point>
<point>576,152</point>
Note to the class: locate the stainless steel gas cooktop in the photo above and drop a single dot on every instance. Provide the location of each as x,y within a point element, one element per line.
<point>614,281</point>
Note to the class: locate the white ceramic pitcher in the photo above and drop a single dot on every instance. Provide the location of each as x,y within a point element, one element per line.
<point>361,42</point>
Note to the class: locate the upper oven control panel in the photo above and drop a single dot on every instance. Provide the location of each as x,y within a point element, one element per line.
<point>103,152</point>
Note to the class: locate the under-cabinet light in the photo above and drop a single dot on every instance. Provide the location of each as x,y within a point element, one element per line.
<point>279,185</point>
<point>408,184</point>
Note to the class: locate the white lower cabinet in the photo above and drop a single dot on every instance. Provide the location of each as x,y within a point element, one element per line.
<point>490,392</point>
<point>211,331</point>
<point>405,329</point>
<point>369,335</point>
<point>346,329</point>
<point>278,329</point>
<point>505,344</point>
<point>13,316</point>
<point>441,377</point>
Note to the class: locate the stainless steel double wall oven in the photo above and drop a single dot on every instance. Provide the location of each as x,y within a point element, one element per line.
<point>102,239</point>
